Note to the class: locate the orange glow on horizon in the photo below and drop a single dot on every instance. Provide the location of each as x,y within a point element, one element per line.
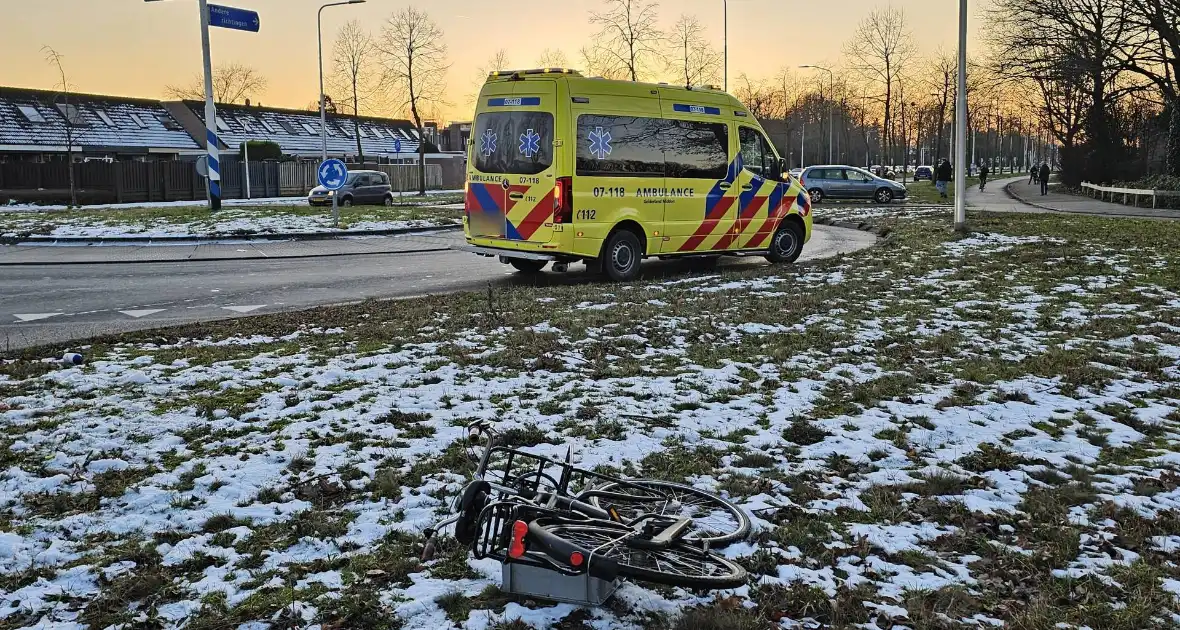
<point>133,48</point>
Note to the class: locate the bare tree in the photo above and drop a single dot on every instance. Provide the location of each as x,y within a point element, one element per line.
<point>695,60</point>
<point>629,36</point>
<point>416,64</point>
<point>232,83</point>
<point>356,75</point>
<point>758,97</point>
<point>598,64</point>
<point>552,58</point>
<point>63,101</point>
<point>1065,44</point>
<point>941,80</point>
<point>1158,22</point>
<point>879,51</point>
<point>498,61</point>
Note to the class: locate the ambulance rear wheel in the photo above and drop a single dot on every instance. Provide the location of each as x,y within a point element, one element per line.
<point>528,266</point>
<point>620,256</point>
<point>787,244</point>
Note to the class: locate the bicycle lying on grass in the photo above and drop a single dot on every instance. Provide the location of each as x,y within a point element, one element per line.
<point>524,512</point>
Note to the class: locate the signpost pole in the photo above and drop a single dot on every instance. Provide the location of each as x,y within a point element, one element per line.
<point>213,182</point>
<point>335,211</point>
<point>333,184</point>
<point>323,106</point>
<point>246,152</point>
<point>397,155</point>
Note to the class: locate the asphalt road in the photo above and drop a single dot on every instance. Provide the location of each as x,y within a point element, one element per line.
<point>42,304</point>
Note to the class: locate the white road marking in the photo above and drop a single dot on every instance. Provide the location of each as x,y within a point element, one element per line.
<point>32,317</point>
<point>244,309</point>
<point>143,313</point>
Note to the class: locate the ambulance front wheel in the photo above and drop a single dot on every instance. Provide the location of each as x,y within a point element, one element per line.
<point>621,255</point>
<point>787,244</point>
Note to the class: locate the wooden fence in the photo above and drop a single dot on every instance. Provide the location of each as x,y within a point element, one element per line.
<point>138,182</point>
<point>1130,194</point>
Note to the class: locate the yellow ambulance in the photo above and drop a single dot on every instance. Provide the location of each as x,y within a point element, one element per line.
<point>565,168</point>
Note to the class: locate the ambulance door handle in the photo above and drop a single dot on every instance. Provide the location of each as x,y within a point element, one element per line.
<point>516,196</point>
<point>724,185</point>
<point>748,187</point>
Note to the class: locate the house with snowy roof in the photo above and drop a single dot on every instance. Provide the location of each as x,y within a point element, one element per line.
<point>297,132</point>
<point>37,125</point>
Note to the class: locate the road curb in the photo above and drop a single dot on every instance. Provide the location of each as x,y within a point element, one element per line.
<point>1012,194</point>
<point>185,261</point>
<point>147,241</point>
<point>860,226</point>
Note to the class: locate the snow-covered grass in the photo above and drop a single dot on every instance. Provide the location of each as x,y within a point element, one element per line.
<point>942,432</point>
<point>170,220</point>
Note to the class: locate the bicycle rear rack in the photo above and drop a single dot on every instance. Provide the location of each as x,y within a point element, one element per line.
<point>534,575</point>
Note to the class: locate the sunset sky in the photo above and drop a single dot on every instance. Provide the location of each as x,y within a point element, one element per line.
<point>133,48</point>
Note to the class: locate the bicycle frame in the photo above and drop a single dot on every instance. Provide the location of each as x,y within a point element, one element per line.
<point>522,497</point>
<point>561,485</point>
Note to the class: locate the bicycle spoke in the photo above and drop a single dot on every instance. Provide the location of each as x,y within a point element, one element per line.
<point>666,561</point>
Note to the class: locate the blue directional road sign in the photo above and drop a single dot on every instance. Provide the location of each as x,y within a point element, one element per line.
<point>397,145</point>
<point>332,174</point>
<point>230,17</point>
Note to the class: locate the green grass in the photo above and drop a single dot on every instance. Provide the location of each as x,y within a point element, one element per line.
<point>924,192</point>
<point>934,412</point>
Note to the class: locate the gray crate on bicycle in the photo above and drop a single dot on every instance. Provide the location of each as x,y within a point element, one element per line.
<point>531,580</point>
<point>572,535</point>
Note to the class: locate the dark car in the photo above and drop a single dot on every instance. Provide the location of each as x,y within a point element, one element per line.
<point>847,182</point>
<point>363,188</point>
<point>924,173</point>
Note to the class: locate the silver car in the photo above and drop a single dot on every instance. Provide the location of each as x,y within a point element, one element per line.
<point>363,188</point>
<point>847,182</point>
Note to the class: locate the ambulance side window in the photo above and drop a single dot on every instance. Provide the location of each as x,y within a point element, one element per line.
<point>757,156</point>
<point>697,150</point>
<point>621,146</point>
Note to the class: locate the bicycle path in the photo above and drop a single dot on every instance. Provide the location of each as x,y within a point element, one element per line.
<point>1029,196</point>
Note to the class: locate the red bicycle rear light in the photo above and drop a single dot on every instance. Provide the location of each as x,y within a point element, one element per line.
<point>576,559</point>
<point>563,200</point>
<point>516,545</point>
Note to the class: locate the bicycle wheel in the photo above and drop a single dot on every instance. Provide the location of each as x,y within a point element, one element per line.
<point>714,520</point>
<point>678,565</point>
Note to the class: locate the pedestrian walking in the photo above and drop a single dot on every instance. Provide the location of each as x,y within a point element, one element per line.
<point>942,177</point>
<point>1043,176</point>
<point>983,173</point>
<point>1032,175</point>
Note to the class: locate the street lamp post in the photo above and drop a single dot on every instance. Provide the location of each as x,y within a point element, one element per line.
<point>319,31</point>
<point>831,107</point>
<point>961,126</point>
